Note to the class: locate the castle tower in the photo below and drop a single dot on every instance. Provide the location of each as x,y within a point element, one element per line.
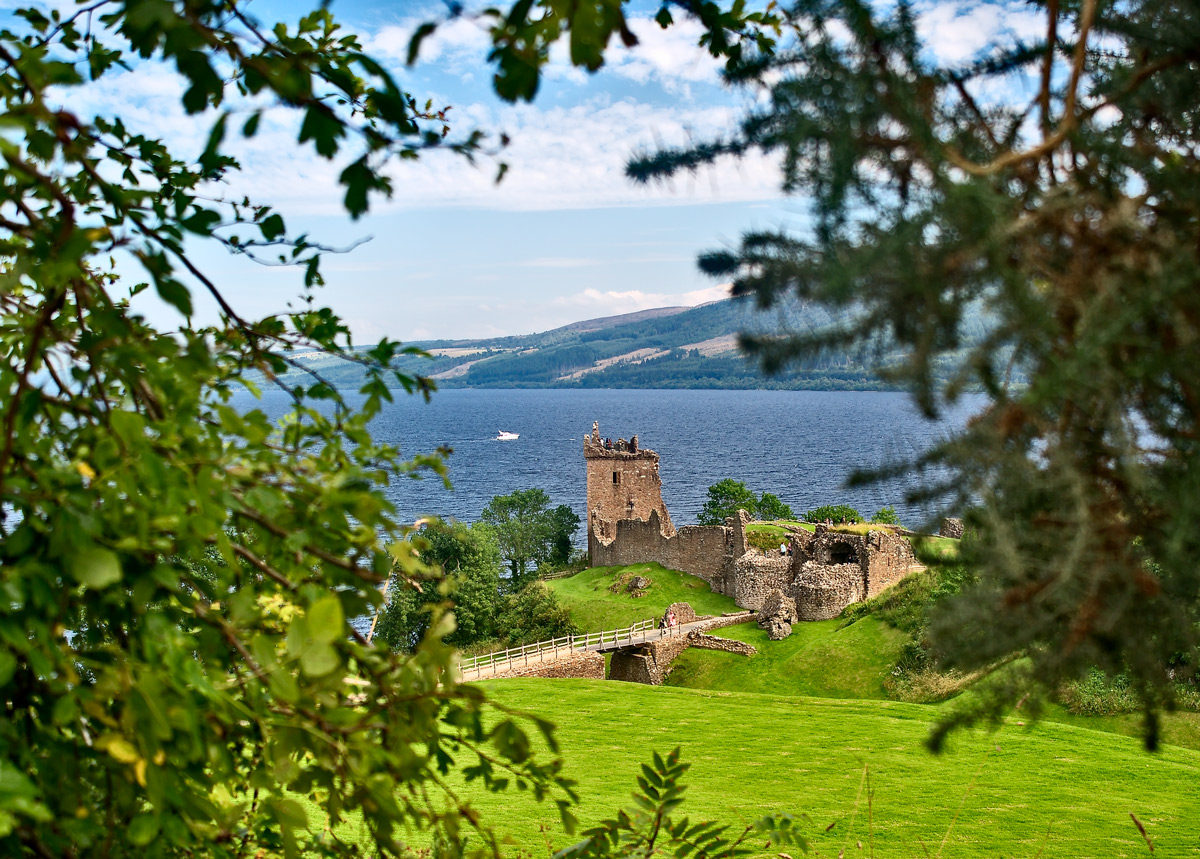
<point>622,483</point>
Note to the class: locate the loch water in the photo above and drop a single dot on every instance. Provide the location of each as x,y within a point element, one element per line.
<point>800,445</point>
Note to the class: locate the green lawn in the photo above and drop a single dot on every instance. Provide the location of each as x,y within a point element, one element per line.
<point>936,548</point>
<point>777,528</point>
<point>1057,790</point>
<point>595,608</point>
<point>824,658</point>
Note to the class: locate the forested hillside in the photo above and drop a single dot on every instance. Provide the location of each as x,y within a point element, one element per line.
<point>670,347</point>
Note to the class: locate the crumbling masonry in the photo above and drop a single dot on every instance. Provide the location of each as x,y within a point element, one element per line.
<point>822,573</point>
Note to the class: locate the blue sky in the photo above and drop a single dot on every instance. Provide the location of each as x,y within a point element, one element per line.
<point>565,236</point>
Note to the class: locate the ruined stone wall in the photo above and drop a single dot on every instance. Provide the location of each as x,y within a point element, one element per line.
<point>821,591</point>
<point>727,620</point>
<point>622,483</point>
<point>952,528</point>
<point>651,663</point>
<point>633,666</point>
<point>756,575</point>
<point>684,613</point>
<point>628,523</point>
<point>728,645</point>
<point>582,665</point>
<point>889,559</point>
<point>704,551</point>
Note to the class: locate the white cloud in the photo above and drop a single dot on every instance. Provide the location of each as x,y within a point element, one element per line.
<point>628,301</point>
<point>455,45</point>
<point>958,31</point>
<point>672,57</point>
<point>558,262</point>
<point>560,157</point>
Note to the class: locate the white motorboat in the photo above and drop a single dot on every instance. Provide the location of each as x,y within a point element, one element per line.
<point>508,436</point>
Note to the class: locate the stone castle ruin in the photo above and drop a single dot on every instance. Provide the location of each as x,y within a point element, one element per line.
<point>822,573</point>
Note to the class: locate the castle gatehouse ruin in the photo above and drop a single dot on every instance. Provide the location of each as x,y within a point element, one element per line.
<point>822,573</point>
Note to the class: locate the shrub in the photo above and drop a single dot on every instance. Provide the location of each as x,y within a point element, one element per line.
<point>886,516</point>
<point>771,508</point>
<point>533,614</point>
<point>833,512</point>
<point>765,540</point>
<point>725,498</point>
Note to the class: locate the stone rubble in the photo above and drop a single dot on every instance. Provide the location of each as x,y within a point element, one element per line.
<point>777,615</point>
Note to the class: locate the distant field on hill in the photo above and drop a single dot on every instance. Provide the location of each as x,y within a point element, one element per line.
<point>670,347</point>
<point>1057,790</point>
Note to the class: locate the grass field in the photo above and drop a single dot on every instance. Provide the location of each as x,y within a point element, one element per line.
<point>595,608</point>
<point>825,659</point>
<point>1056,790</point>
<point>830,658</point>
<point>798,728</point>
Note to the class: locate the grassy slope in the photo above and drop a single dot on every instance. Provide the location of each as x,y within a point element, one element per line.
<point>822,659</point>
<point>595,608</point>
<point>1003,794</point>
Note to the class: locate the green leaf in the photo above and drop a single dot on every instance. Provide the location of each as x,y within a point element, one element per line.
<point>8,665</point>
<point>142,829</point>
<point>95,567</point>
<point>210,158</point>
<point>325,620</point>
<point>323,129</point>
<point>414,44</point>
<point>175,294</point>
<point>319,660</point>
<point>289,813</point>
<point>272,227</point>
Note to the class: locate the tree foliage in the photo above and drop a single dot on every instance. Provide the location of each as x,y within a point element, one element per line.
<point>484,609</point>
<point>770,507</point>
<point>529,532</point>
<point>470,558</point>
<point>564,524</point>
<point>533,613</point>
<point>1056,184</point>
<point>725,498</point>
<point>886,516</point>
<point>834,513</point>
<point>179,575</point>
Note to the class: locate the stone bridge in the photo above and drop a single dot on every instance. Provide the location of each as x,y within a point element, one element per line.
<point>641,653</point>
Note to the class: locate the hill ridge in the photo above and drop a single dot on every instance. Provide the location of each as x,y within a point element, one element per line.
<point>665,347</point>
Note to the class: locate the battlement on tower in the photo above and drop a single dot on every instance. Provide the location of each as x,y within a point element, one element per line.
<point>622,483</point>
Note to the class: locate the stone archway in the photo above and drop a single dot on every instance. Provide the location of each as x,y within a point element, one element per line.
<point>842,552</point>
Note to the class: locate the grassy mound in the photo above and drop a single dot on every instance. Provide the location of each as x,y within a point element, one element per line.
<point>825,658</point>
<point>594,607</point>
<point>1056,790</point>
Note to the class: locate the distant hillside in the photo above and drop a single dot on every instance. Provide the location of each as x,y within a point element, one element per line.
<point>667,347</point>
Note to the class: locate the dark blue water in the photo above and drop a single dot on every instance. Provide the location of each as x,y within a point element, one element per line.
<point>800,445</point>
